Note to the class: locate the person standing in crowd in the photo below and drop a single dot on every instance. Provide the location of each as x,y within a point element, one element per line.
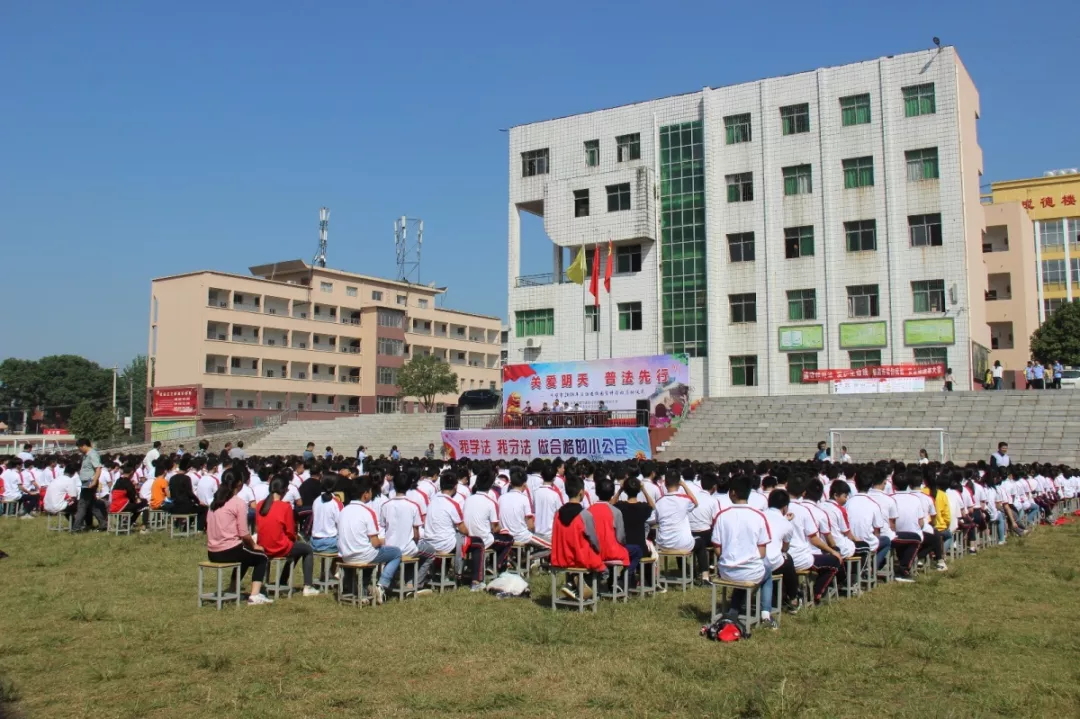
<point>998,374</point>
<point>238,452</point>
<point>429,453</point>
<point>204,445</point>
<point>89,477</point>
<point>150,458</point>
<point>309,451</point>
<point>822,454</point>
<point>1057,369</point>
<point>394,453</point>
<point>27,454</point>
<point>1000,458</point>
<point>1038,372</point>
<point>180,451</point>
<point>949,380</point>
<point>1029,376</point>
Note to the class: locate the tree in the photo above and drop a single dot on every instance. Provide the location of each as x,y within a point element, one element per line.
<point>94,424</point>
<point>55,384</point>
<point>1058,338</point>
<point>424,377</point>
<point>133,379</point>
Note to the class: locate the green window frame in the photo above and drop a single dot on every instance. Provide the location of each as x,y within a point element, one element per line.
<point>534,323</point>
<point>857,359</point>
<point>928,295</point>
<point>861,235</point>
<point>737,129</point>
<point>932,355</point>
<point>592,153</point>
<point>795,119</point>
<point>919,100</point>
<point>922,164</point>
<point>798,242</point>
<point>858,172</point>
<point>740,187</point>
<point>629,316</point>
<point>797,362</point>
<point>855,110</point>
<point>802,304</point>
<point>798,180</point>
<point>744,370</point>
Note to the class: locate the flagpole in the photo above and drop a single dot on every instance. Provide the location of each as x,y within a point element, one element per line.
<point>610,329</point>
<point>584,319</point>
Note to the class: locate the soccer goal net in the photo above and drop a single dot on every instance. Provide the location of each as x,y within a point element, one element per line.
<point>869,444</point>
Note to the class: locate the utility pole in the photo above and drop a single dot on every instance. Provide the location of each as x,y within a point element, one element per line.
<point>131,405</point>
<point>114,390</point>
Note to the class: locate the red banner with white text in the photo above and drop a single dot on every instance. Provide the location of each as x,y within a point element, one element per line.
<point>174,402</point>
<point>882,372</point>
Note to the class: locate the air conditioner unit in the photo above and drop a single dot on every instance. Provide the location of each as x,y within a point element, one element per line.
<point>269,373</point>
<point>303,345</point>
<point>221,337</point>
<point>271,342</point>
<point>302,375</point>
<point>303,315</point>
<point>221,370</point>
<point>271,311</point>
<point>223,303</point>
<point>531,343</point>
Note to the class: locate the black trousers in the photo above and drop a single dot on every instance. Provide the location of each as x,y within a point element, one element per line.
<point>702,544</point>
<point>501,545</point>
<point>932,543</point>
<point>256,561</point>
<point>827,566</point>
<point>301,552</point>
<point>791,579</point>
<point>907,546</point>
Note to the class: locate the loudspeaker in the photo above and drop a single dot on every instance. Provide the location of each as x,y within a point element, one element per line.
<point>451,421</point>
<point>643,413</point>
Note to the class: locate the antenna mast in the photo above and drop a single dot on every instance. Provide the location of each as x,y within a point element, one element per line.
<point>408,240</point>
<point>324,223</point>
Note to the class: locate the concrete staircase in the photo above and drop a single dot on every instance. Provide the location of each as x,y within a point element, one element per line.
<point>377,432</point>
<point>1040,426</point>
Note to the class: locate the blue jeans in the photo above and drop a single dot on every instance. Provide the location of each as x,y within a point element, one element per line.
<point>1003,526</point>
<point>884,545</point>
<point>324,544</point>
<point>765,590</point>
<point>391,557</point>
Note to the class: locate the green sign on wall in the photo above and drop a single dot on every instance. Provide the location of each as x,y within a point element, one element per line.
<point>855,335</point>
<point>802,337</point>
<point>937,331</point>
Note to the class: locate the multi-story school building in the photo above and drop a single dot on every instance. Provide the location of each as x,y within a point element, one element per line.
<point>825,219</point>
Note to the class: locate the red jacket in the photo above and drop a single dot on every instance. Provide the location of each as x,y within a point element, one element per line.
<point>610,549</point>
<point>570,545</point>
<point>277,530</point>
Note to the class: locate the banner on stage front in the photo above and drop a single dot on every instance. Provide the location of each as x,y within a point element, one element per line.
<point>882,372</point>
<point>619,383</point>
<point>601,444</point>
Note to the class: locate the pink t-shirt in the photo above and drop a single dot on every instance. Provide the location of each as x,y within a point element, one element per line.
<point>226,526</point>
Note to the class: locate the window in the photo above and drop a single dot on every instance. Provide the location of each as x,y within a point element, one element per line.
<point>855,110</point>
<point>592,318</point>
<point>737,128</point>
<point>627,259</point>
<point>740,187</point>
<point>1051,234</point>
<point>1074,270</point>
<point>628,147</point>
<point>1051,305</point>
<point>326,286</point>
<point>798,242</point>
<point>862,301</point>
<point>376,295</point>
<point>531,323</point>
<point>618,197</point>
<point>402,300</point>
<point>798,180</point>
<point>534,162</point>
<point>741,246</point>
<point>802,304</point>
<point>390,318</point>
<point>389,347</point>
<point>387,405</point>
<point>921,164</point>
<point>925,230</point>
<point>592,153</point>
<point>422,303</point>
<point>797,362</point>
<point>744,370</point>
<point>629,315</point>
<point>932,355</point>
<point>861,235</point>
<point>386,375</point>
<point>928,295</point>
<point>859,172</point>
<point>350,291</point>
<point>858,359</point>
<point>795,118</point>
<point>743,307</point>
<point>919,100</point>
<point>581,203</point>
<point>1053,272</point>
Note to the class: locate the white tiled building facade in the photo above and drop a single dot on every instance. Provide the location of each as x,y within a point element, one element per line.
<point>749,216</point>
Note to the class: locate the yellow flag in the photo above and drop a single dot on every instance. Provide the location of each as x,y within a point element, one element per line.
<point>576,272</point>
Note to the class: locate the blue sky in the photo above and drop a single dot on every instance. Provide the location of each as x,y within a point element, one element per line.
<point>142,139</point>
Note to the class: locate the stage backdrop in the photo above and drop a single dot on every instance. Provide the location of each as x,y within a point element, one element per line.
<point>606,443</point>
<point>619,383</point>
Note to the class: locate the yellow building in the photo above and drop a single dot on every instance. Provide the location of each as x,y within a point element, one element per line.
<point>1051,205</point>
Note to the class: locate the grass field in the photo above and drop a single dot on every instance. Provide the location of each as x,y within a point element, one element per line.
<point>101,626</point>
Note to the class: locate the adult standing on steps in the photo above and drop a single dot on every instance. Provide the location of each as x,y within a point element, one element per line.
<point>999,375</point>
<point>361,455</point>
<point>309,452</point>
<point>1000,458</point>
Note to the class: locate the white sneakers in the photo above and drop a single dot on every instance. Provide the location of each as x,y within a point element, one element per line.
<point>311,592</point>
<point>256,599</point>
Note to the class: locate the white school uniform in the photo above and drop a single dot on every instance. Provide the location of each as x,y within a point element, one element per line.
<point>911,513</point>
<point>400,516</point>
<point>60,492</point>
<point>440,528</point>
<point>673,523</point>
<point>741,532</point>
<point>803,529</point>
<point>780,531</point>
<point>324,517</point>
<point>514,511</point>
<point>888,510</point>
<point>839,526</point>
<point>481,512</point>
<point>12,485</point>
<point>206,487</point>
<point>864,516</point>
<point>758,500</point>
<point>703,516</point>
<point>357,523</point>
<point>546,502</point>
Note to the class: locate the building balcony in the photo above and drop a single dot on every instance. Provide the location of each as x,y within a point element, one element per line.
<point>321,347</point>
<point>245,340</point>
<point>349,349</point>
<point>349,379</point>
<point>244,371</point>
<point>245,307</point>
<point>322,378</point>
<point>350,321</point>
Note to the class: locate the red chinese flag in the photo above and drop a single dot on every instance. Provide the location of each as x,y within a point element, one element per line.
<point>607,268</point>
<point>594,283</point>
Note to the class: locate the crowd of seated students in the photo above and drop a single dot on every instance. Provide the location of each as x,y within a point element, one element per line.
<point>750,520</point>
